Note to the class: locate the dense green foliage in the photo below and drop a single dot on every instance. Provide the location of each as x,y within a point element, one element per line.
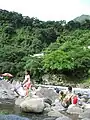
<point>72,55</point>
<point>66,46</point>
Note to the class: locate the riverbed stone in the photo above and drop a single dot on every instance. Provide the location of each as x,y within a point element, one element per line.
<point>85,114</point>
<point>47,100</point>
<point>74,109</point>
<point>47,93</point>
<point>88,100</point>
<point>47,107</point>
<point>50,118</point>
<point>18,101</point>
<point>57,106</point>
<point>64,118</point>
<point>86,119</point>
<point>5,90</point>
<point>12,117</point>
<point>55,113</point>
<point>32,105</point>
<point>86,106</point>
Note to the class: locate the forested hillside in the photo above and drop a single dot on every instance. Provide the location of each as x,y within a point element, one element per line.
<point>82,18</point>
<point>66,46</point>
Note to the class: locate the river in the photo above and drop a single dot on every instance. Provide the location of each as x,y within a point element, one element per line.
<point>8,107</point>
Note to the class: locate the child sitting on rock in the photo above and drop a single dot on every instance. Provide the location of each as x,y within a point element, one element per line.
<point>66,98</point>
<point>61,95</point>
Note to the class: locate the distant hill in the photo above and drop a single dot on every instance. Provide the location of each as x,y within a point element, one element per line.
<point>82,18</point>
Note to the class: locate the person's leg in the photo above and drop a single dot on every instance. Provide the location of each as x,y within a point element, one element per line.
<point>27,92</point>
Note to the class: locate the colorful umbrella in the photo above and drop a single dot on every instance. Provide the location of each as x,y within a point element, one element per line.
<point>7,74</point>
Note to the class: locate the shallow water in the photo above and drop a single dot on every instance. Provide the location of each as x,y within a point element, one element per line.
<point>8,107</point>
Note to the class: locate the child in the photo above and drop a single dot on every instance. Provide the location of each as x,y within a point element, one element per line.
<point>61,96</point>
<point>27,82</point>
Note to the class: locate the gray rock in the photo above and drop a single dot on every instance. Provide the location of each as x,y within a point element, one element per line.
<point>12,117</point>
<point>86,106</point>
<point>55,114</point>
<point>5,90</point>
<point>87,110</point>
<point>88,101</point>
<point>84,96</point>
<point>47,93</point>
<point>50,118</point>
<point>18,101</point>
<point>32,105</point>
<point>73,109</point>
<point>47,100</point>
<point>47,107</point>
<point>86,119</point>
<point>58,106</point>
<point>85,114</point>
<point>64,118</point>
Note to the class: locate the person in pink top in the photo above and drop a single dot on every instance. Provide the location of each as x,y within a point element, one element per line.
<point>27,81</point>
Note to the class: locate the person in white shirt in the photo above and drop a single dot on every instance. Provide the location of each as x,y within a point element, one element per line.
<point>27,81</point>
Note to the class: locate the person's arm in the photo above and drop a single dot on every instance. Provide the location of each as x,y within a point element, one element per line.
<point>26,79</point>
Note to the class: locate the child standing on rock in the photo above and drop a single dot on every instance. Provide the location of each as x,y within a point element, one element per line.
<point>27,82</point>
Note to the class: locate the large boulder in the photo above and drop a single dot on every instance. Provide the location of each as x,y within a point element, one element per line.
<point>73,109</point>
<point>12,117</point>
<point>5,90</point>
<point>86,106</point>
<point>18,101</point>
<point>47,93</point>
<point>85,114</point>
<point>32,105</point>
<point>57,106</point>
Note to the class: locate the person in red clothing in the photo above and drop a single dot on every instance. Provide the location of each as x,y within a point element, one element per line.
<point>67,100</point>
<point>27,82</point>
<point>75,99</point>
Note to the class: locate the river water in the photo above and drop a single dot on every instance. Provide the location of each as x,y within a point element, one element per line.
<point>8,107</point>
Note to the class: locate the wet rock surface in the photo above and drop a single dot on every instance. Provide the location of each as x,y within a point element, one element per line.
<point>51,107</point>
<point>5,90</point>
<point>12,117</point>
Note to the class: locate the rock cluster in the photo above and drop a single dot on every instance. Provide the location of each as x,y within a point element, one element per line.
<point>46,100</point>
<point>5,90</point>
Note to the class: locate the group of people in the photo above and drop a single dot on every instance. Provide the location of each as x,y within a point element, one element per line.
<point>68,97</point>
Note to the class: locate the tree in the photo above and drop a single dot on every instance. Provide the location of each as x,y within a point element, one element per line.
<point>34,64</point>
<point>72,55</point>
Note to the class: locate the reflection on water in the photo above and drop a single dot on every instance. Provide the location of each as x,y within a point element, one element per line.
<point>8,107</point>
